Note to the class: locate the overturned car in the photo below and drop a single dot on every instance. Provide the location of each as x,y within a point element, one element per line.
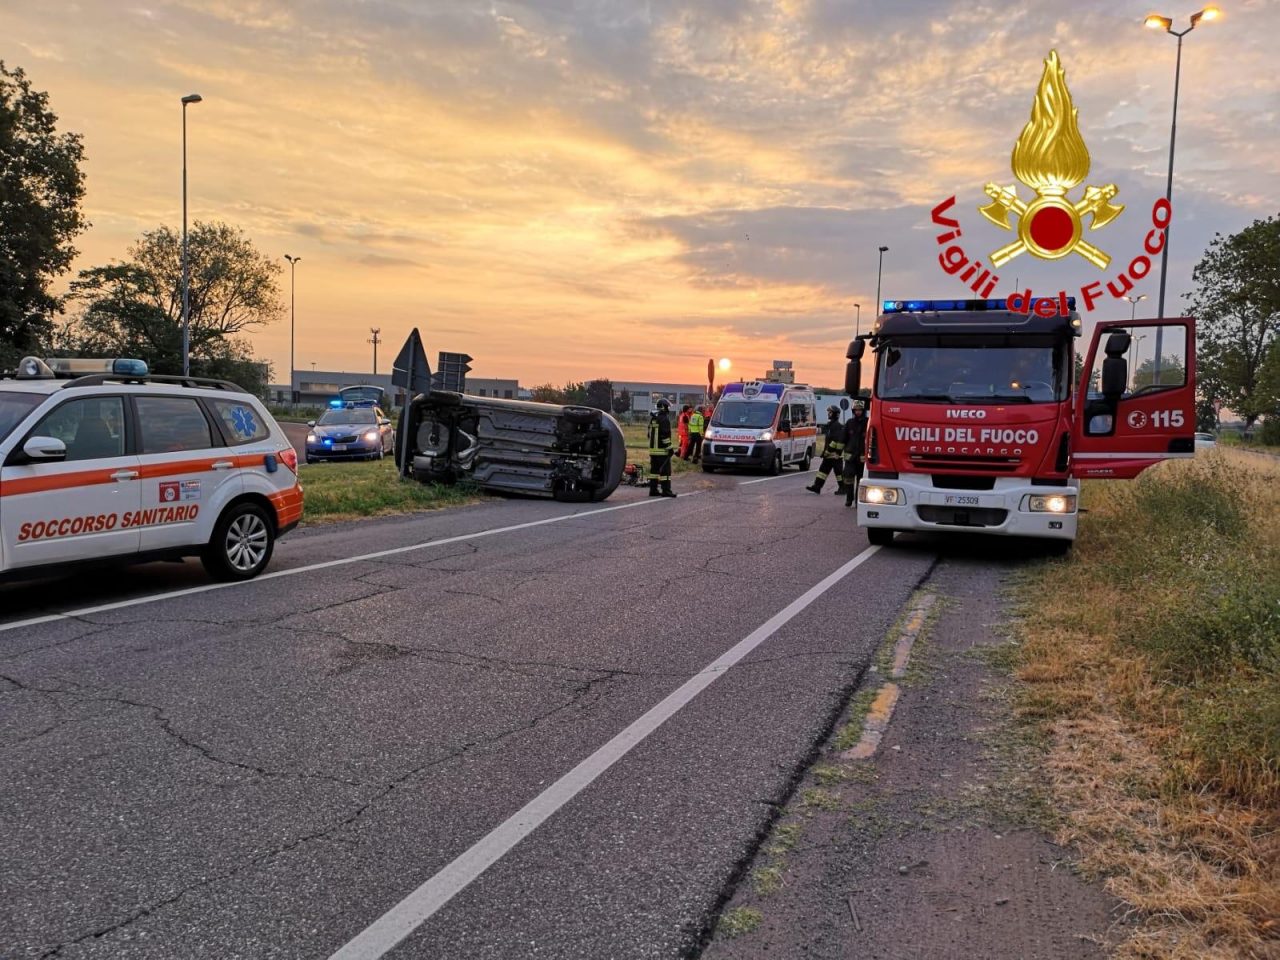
<point>512,446</point>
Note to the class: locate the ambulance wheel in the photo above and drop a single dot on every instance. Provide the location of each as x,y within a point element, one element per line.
<point>775,467</point>
<point>242,542</point>
<point>807,462</point>
<point>880,536</point>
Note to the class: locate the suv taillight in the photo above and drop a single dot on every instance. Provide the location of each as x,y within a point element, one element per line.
<point>289,457</point>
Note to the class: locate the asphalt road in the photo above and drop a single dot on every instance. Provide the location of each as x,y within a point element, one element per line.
<point>264,770</point>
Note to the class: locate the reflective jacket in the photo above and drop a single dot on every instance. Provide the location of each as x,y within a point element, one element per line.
<point>696,422</point>
<point>855,437</point>
<point>835,438</point>
<point>659,434</point>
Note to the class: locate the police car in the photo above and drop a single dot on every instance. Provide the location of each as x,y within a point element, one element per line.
<point>99,460</point>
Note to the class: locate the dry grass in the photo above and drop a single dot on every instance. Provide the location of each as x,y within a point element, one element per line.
<point>1152,657</point>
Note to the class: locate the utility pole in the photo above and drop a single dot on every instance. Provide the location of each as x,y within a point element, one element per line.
<point>375,340</point>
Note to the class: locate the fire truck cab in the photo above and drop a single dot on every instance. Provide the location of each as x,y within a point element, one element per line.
<point>986,419</point>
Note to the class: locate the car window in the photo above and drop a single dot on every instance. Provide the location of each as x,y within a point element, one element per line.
<point>243,424</point>
<point>14,408</point>
<point>358,415</point>
<point>92,427</point>
<point>169,424</point>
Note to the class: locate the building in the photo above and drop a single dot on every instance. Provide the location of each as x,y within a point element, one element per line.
<point>487,387</point>
<point>643,394</point>
<point>782,372</point>
<point>315,388</point>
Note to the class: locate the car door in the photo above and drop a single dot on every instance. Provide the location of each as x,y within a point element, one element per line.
<point>1136,399</point>
<point>187,471</point>
<point>83,506</point>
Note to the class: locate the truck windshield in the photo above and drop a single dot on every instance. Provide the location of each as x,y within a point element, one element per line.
<point>14,408</point>
<point>1032,370</point>
<point>754,414</point>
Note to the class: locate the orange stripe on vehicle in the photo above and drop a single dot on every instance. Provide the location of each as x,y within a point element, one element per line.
<point>146,471</point>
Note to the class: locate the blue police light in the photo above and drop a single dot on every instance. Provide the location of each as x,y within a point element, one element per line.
<point>328,442</point>
<point>951,306</point>
<point>336,404</point>
<point>129,368</point>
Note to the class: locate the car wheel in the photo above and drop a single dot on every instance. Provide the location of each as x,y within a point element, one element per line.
<point>775,467</point>
<point>581,416</point>
<point>807,462</point>
<point>242,542</point>
<point>880,536</point>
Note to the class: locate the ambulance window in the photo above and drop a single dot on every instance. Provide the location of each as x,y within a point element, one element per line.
<point>241,422</point>
<point>170,424</point>
<point>92,428</point>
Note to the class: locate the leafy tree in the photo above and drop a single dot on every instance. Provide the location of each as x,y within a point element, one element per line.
<point>41,186</point>
<point>622,402</point>
<point>135,308</point>
<point>1237,303</point>
<point>546,393</point>
<point>1172,372</point>
<point>600,395</point>
<point>1206,415</point>
<point>575,393</point>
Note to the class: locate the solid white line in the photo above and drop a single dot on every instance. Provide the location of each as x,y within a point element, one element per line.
<point>418,907</point>
<point>325,565</point>
<point>785,476</point>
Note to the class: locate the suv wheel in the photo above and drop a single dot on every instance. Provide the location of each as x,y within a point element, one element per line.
<point>241,545</point>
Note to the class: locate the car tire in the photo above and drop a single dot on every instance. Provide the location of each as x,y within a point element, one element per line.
<point>807,463</point>
<point>880,536</point>
<point>581,416</point>
<point>242,543</point>
<point>775,467</point>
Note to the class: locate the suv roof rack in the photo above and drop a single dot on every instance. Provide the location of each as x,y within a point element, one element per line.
<point>206,383</point>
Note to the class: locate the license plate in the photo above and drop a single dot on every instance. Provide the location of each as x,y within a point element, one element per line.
<point>730,459</point>
<point>339,446</point>
<point>962,501</point>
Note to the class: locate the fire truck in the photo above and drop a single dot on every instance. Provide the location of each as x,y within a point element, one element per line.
<point>985,419</point>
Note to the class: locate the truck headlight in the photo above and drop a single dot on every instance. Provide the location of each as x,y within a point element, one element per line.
<point>1052,503</point>
<point>890,496</point>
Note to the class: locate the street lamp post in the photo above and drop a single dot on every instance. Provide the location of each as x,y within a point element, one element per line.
<point>1158,22</point>
<point>1137,349</point>
<point>1134,301</point>
<point>879,272</point>
<point>186,273</point>
<point>375,340</point>
<point>293,263</point>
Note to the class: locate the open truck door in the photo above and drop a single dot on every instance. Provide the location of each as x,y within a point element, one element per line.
<point>1136,403</point>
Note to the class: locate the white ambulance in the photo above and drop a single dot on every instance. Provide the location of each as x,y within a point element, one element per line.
<point>99,460</point>
<point>762,425</point>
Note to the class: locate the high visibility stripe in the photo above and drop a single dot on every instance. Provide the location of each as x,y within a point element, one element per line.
<point>146,471</point>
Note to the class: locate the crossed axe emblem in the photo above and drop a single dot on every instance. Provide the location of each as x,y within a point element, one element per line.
<point>1050,226</point>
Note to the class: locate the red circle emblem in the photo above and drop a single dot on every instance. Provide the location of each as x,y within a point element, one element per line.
<point>1051,228</point>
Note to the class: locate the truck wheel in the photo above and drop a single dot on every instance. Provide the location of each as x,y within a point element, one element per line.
<point>775,467</point>
<point>241,545</point>
<point>880,536</point>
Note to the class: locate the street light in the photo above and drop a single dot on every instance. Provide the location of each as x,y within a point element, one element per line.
<point>879,271</point>
<point>375,340</point>
<point>1157,22</point>
<point>186,274</point>
<point>1137,347</point>
<point>1134,300</point>
<point>293,263</point>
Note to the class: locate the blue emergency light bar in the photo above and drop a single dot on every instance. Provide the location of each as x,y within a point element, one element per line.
<point>943,306</point>
<point>336,404</point>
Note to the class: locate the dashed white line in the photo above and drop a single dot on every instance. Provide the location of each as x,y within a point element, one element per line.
<point>324,565</point>
<point>400,921</point>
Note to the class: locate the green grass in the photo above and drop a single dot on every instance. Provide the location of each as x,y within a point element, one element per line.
<point>637,437</point>
<point>736,922</point>
<point>346,491</point>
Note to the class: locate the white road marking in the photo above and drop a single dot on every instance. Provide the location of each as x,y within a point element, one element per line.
<point>781,476</point>
<point>405,917</point>
<point>324,565</point>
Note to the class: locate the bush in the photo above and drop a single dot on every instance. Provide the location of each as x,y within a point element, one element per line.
<point>1270,431</point>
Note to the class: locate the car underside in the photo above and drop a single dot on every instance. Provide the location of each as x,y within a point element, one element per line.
<point>511,446</point>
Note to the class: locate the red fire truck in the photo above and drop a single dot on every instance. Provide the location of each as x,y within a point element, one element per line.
<point>985,419</point>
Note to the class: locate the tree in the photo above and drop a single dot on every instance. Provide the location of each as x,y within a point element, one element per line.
<point>1172,372</point>
<point>622,402</point>
<point>41,186</point>
<point>600,395</point>
<point>135,308</point>
<point>1237,303</point>
<point>546,393</point>
<point>1206,415</point>
<point>575,393</point>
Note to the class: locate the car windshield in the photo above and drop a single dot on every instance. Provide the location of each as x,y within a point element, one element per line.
<point>754,414</point>
<point>361,415</point>
<point>965,370</point>
<point>14,408</point>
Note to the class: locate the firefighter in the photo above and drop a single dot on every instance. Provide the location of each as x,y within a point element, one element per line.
<point>660,451</point>
<point>855,445</point>
<point>697,422</point>
<point>831,450</point>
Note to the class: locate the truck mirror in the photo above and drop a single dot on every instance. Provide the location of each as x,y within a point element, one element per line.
<point>855,349</point>
<point>853,376</point>
<point>1115,375</point>
<point>1118,344</point>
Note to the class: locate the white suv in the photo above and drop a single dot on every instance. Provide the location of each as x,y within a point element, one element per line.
<point>100,460</point>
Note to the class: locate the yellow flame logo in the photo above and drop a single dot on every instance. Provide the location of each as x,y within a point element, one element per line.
<point>1051,158</point>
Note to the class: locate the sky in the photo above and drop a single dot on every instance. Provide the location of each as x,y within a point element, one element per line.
<point>568,189</point>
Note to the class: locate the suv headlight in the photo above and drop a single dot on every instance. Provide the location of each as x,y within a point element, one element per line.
<point>1052,503</point>
<point>890,496</point>
<point>311,438</point>
<point>371,436</point>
